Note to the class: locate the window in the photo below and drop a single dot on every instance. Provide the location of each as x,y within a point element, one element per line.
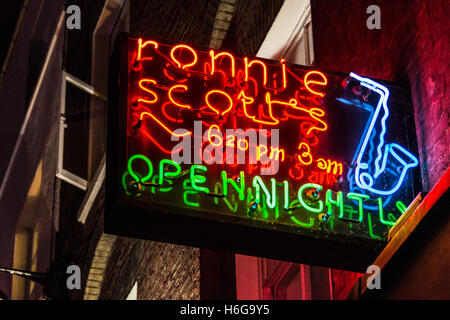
<point>284,281</point>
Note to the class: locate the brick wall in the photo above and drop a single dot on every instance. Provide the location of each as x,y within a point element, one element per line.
<point>122,268</point>
<point>251,22</point>
<point>412,47</point>
<point>173,272</point>
<point>98,267</point>
<point>163,271</point>
<point>427,70</point>
<point>188,21</point>
<point>76,243</point>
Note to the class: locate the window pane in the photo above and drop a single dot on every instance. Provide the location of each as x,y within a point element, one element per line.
<point>294,288</point>
<point>76,133</point>
<point>78,42</point>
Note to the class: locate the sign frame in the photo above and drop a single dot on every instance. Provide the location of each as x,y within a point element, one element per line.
<point>243,236</point>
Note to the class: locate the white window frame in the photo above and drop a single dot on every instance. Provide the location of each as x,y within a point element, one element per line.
<point>62,173</point>
<point>291,25</point>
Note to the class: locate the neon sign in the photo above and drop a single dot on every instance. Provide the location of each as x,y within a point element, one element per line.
<point>259,142</point>
<point>365,180</point>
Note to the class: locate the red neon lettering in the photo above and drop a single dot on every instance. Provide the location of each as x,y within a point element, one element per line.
<point>214,56</point>
<point>317,112</point>
<point>306,154</point>
<point>162,124</point>
<point>168,75</point>
<point>250,100</point>
<point>222,93</point>
<point>163,109</point>
<point>321,83</point>
<point>230,142</point>
<point>298,168</point>
<point>315,141</point>
<point>215,136</point>
<point>171,98</point>
<point>314,177</point>
<point>261,112</point>
<point>275,153</point>
<point>275,88</point>
<point>255,86</point>
<point>283,70</point>
<point>179,64</point>
<point>321,164</point>
<point>142,45</point>
<point>292,103</point>
<point>160,147</point>
<point>239,144</point>
<point>141,82</point>
<point>248,65</point>
<point>328,165</point>
<point>258,151</point>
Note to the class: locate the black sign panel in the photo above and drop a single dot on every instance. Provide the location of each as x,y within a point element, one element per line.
<point>261,157</point>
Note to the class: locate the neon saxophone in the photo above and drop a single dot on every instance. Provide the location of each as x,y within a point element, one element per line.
<point>365,176</point>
